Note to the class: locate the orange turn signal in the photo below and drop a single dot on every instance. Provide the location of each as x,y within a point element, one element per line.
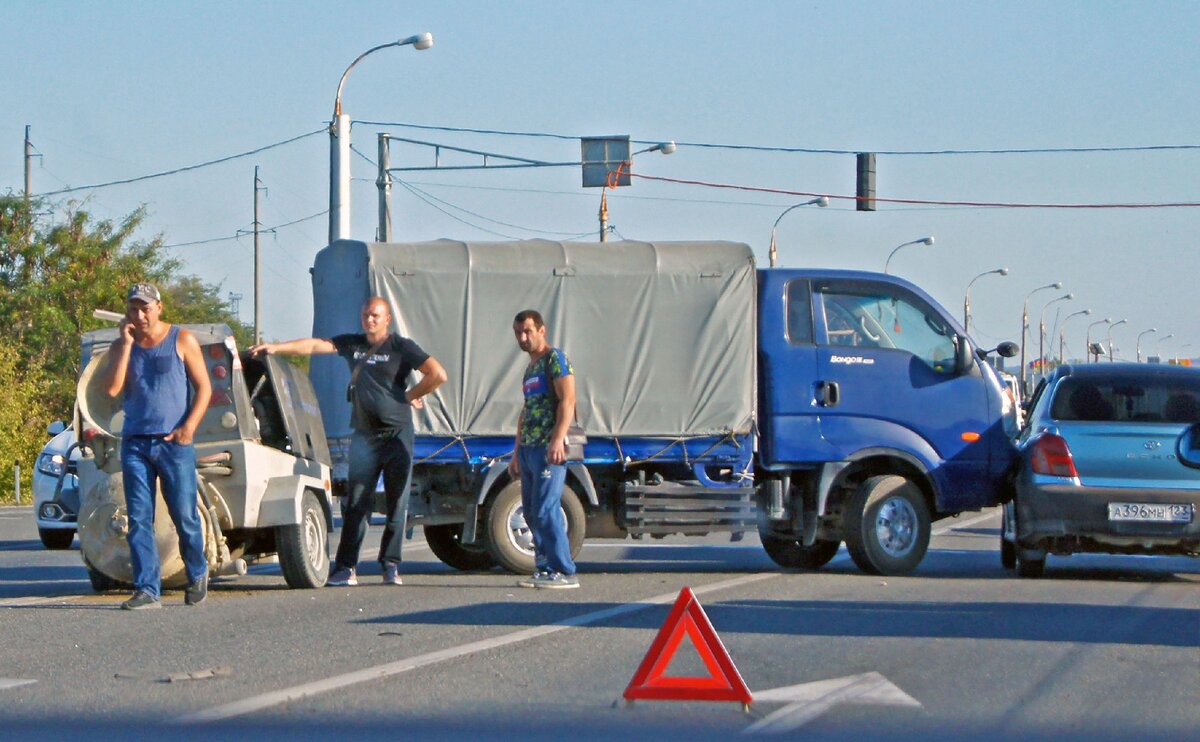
<point>970,437</point>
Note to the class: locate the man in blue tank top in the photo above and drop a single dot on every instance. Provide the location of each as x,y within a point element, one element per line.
<point>381,416</point>
<point>152,362</point>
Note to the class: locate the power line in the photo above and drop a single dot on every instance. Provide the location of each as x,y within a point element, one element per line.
<point>414,189</point>
<point>927,202</point>
<point>456,218</point>
<point>804,150</point>
<point>236,236</point>
<point>183,169</point>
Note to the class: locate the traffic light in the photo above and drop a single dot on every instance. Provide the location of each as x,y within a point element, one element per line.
<point>866,182</point>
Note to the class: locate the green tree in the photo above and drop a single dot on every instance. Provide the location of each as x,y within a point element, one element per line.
<point>22,424</point>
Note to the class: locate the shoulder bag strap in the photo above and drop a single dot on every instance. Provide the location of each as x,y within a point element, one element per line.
<point>363,361</point>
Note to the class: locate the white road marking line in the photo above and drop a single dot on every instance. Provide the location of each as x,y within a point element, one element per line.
<point>807,701</point>
<point>33,600</point>
<point>295,693</point>
<point>962,524</point>
<point>14,682</point>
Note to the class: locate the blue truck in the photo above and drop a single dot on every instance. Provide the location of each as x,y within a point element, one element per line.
<point>813,407</point>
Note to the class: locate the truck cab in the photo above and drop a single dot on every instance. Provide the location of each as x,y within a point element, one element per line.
<point>877,415</point>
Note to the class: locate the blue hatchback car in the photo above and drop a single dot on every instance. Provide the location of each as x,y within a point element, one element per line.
<point>1109,462</point>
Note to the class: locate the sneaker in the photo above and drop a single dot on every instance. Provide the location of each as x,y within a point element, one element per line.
<point>532,580</point>
<point>342,577</point>
<point>391,574</point>
<point>555,581</point>
<point>140,602</point>
<point>196,592</point>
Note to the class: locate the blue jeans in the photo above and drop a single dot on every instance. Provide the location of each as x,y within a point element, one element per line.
<point>369,456</point>
<point>146,460</point>
<point>541,498</point>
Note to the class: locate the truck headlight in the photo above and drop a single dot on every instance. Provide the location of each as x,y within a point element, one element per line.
<point>52,464</point>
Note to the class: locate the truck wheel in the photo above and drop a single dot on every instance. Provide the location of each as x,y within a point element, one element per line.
<point>445,541</point>
<point>304,548</point>
<point>887,525</point>
<point>509,540</point>
<point>56,538</point>
<point>792,554</point>
<point>1008,550</point>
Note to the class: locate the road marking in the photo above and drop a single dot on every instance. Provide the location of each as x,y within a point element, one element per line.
<point>956,525</point>
<point>33,600</point>
<point>807,701</point>
<point>295,693</point>
<point>14,682</point>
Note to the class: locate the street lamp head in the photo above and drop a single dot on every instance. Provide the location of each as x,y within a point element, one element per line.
<point>1003,271</point>
<point>667,148</point>
<point>1086,312</point>
<point>1069,297</point>
<point>1056,285</point>
<point>420,42</point>
<point>821,201</point>
<point>926,240</point>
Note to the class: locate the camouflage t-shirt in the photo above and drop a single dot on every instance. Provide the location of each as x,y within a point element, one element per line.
<point>538,415</point>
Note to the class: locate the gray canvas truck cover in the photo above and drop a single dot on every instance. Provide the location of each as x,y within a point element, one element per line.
<point>661,334</point>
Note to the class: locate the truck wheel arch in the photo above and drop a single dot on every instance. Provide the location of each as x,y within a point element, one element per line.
<point>871,462</point>
<point>496,478</point>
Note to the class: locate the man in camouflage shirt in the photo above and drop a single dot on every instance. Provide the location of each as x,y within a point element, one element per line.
<point>539,455</point>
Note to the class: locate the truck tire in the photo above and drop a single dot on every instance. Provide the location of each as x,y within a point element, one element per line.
<point>304,547</point>
<point>445,541</point>
<point>791,554</point>
<point>56,539</point>
<point>509,539</point>
<point>887,525</point>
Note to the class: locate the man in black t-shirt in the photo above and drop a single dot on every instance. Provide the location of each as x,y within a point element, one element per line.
<point>381,417</point>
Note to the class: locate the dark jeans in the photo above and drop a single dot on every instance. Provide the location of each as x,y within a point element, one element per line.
<point>145,459</point>
<point>369,456</point>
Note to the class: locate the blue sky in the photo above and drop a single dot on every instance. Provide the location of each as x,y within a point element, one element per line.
<point>119,90</point>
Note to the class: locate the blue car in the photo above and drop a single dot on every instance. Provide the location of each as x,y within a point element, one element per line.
<point>1109,462</point>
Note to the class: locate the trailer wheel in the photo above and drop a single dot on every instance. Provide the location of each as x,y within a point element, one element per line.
<point>445,541</point>
<point>887,525</point>
<point>791,554</point>
<point>304,548</point>
<point>509,540</point>
<point>56,539</point>
<point>1031,563</point>
<point>101,582</point>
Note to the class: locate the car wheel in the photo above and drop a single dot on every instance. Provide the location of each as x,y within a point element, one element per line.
<point>791,554</point>
<point>509,540</point>
<point>887,525</point>
<point>1008,549</point>
<point>1030,564</point>
<point>445,541</point>
<point>304,547</point>
<point>56,538</point>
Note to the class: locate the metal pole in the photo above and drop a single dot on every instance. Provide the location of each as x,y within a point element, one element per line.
<point>17,482</point>
<point>1024,334</point>
<point>339,175</point>
<point>384,184</point>
<point>257,281</point>
<point>604,216</point>
<point>28,159</point>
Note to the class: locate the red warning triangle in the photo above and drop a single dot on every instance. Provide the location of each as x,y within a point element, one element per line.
<point>723,682</point>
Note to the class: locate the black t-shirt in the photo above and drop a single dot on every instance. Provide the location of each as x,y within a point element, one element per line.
<point>378,402</point>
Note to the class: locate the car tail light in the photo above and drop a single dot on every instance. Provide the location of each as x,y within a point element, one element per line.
<point>1052,456</point>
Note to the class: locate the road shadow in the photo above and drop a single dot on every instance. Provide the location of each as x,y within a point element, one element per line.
<point>1015,621</point>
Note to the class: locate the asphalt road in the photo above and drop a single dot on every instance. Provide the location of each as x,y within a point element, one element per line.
<point>1101,647</point>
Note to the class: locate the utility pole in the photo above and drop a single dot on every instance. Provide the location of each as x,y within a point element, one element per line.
<point>28,159</point>
<point>604,216</point>
<point>384,184</point>
<point>257,283</point>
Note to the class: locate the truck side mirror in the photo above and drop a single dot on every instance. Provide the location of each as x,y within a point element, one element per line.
<point>55,428</point>
<point>1007,349</point>
<point>962,354</point>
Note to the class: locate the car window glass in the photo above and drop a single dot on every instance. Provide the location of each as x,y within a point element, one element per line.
<point>1131,400</point>
<point>799,313</point>
<point>881,320</point>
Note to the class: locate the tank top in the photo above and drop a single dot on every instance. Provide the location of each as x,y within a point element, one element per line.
<point>156,388</point>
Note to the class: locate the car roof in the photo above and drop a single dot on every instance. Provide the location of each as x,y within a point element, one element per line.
<point>1127,371</point>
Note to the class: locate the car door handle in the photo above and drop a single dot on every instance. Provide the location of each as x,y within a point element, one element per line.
<point>828,393</point>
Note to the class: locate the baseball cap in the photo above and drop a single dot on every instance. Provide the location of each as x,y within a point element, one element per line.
<point>145,292</point>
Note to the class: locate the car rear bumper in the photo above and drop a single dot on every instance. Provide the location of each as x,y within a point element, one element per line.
<point>1064,518</point>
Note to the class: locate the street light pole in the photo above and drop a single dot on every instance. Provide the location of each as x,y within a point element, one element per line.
<point>920,241</point>
<point>339,145</point>
<point>1062,331</point>
<point>820,201</point>
<point>666,148</point>
<point>1162,340</point>
<point>1108,337</point>
<point>1042,332</point>
<point>1139,342</point>
<point>967,296</point>
<point>1087,351</point>
<point>1025,327</point>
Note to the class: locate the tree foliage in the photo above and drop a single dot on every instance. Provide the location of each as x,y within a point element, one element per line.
<point>54,271</point>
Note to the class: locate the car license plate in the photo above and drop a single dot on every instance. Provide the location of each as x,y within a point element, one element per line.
<point>1150,513</point>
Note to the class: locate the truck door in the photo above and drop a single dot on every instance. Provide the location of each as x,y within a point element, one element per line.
<point>887,377</point>
<point>787,366</point>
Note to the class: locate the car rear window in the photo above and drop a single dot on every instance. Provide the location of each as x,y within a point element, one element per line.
<point>1161,400</point>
